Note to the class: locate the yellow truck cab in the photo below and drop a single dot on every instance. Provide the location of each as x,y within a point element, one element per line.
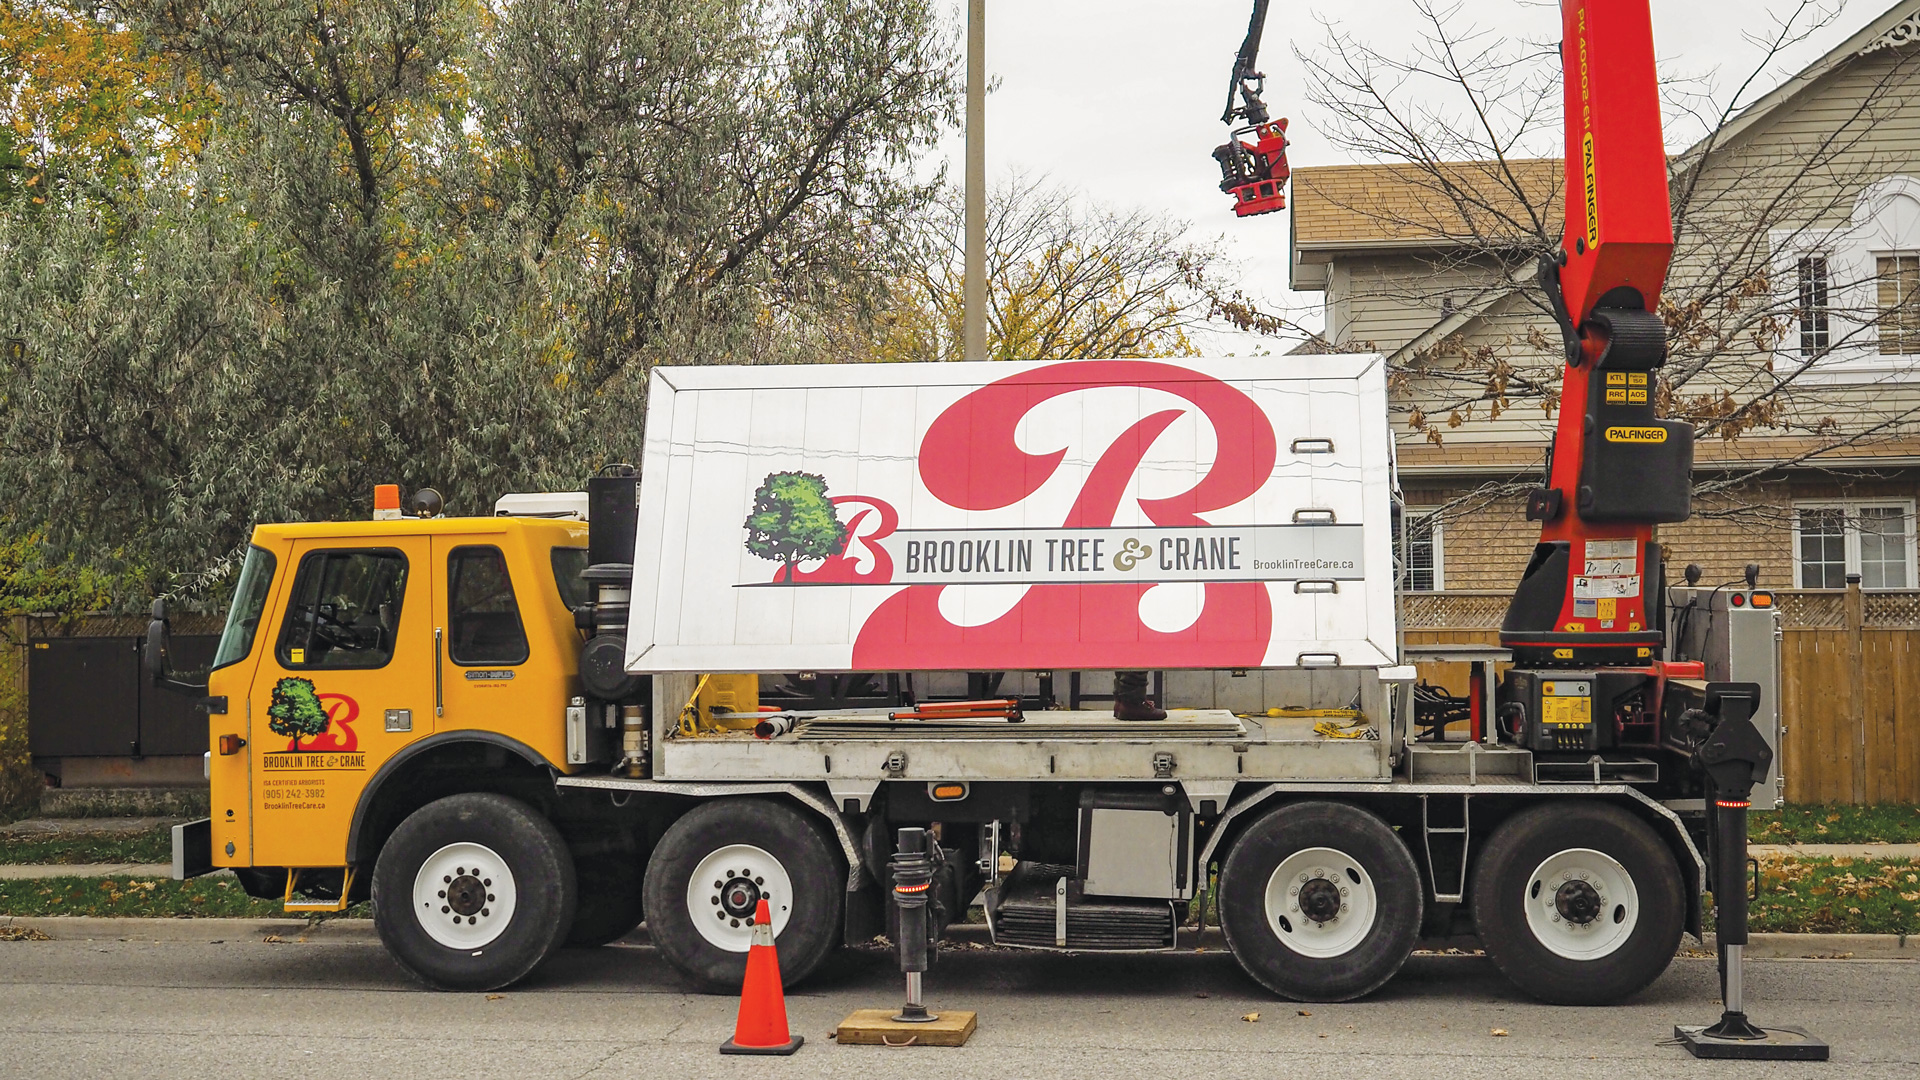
<point>371,668</point>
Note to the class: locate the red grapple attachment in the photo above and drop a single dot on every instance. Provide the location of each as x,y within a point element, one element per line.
<point>1255,173</point>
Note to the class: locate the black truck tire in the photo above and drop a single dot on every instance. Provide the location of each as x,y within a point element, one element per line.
<point>712,867</point>
<point>473,891</point>
<point>1320,901</point>
<point>608,864</point>
<point>1578,902</point>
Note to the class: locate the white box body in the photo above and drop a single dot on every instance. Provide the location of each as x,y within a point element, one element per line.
<point>1098,514</point>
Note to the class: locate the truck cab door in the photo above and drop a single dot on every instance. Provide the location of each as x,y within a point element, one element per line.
<point>496,676</point>
<point>347,680</point>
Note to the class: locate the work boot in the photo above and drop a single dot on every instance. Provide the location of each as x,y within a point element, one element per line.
<point>1130,700</point>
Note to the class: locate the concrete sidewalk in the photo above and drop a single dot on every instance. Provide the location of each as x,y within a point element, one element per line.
<point>36,871</point>
<point>1836,851</point>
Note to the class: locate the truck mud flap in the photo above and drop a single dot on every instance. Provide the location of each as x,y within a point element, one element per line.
<point>192,849</point>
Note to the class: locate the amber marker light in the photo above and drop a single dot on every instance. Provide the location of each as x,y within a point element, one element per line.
<point>386,502</point>
<point>230,745</point>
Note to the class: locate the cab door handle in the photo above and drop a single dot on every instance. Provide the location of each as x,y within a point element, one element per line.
<point>439,683</point>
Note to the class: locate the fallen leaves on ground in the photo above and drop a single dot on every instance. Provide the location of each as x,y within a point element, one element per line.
<point>1498,1033</point>
<point>1251,1018</point>
<point>22,933</point>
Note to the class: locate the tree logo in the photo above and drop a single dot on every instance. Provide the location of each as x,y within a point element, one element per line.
<point>296,710</point>
<point>793,520</point>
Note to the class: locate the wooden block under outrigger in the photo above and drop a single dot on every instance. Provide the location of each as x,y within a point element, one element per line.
<point>877,1027</point>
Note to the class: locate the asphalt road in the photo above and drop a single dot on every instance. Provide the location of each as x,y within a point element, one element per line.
<point>246,1008</point>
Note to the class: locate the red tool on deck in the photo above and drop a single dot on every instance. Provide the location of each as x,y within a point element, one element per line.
<point>1254,173</point>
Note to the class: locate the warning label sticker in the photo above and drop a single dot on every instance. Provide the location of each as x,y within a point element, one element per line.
<point>1566,711</point>
<point>1610,549</point>
<point>1603,587</point>
<point>1608,567</point>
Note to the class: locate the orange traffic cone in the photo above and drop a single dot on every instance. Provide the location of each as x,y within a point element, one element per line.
<point>762,1027</point>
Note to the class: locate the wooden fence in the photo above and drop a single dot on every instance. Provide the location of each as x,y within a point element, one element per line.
<point>1850,683</point>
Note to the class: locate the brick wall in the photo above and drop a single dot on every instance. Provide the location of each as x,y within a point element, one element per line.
<point>1486,546</point>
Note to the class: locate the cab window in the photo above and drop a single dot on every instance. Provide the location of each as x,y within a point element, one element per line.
<point>249,602</point>
<point>482,615</point>
<point>567,564</point>
<point>345,610</point>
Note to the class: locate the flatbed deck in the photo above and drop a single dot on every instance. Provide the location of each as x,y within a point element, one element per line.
<point>1203,744</point>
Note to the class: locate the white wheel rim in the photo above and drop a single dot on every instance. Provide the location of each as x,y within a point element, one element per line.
<point>1318,876</point>
<point>1581,904</point>
<point>464,895</point>
<point>726,888</point>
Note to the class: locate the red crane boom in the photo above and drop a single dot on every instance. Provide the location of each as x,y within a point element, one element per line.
<point>1590,593</point>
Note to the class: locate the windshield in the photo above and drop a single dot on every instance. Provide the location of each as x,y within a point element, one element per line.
<point>249,601</point>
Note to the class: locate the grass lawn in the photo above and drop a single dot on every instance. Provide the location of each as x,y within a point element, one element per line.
<point>1891,823</point>
<point>151,898</point>
<point>1838,896</point>
<point>149,847</point>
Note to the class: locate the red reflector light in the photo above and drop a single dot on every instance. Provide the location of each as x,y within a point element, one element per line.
<point>1738,600</point>
<point>1763,599</point>
<point>230,745</point>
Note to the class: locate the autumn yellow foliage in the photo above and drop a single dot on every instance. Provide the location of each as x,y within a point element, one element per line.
<point>82,102</point>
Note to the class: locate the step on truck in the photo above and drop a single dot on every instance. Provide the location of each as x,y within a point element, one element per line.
<point>834,601</point>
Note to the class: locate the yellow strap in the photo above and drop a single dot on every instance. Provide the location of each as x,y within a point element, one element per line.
<point>690,716</point>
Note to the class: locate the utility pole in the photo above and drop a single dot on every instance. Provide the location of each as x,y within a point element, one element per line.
<point>974,290</point>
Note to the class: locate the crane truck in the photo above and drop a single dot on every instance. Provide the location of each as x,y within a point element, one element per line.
<point>838,600</point>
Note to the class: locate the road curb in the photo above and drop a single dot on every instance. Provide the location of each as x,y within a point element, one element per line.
<point>203,931</point>
<point>361,931</point>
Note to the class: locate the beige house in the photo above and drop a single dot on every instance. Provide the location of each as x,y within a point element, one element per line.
<point>1794,315</point>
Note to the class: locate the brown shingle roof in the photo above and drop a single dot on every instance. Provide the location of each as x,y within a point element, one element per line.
<point>1458,202</point>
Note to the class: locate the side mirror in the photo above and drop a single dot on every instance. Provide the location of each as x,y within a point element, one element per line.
<point>154,656</point>
<point>157,656</point>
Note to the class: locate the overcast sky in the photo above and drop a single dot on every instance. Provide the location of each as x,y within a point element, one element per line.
<point>1120,99</point>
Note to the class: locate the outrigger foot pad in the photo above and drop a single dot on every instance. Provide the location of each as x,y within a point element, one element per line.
<point>1735,1037</point>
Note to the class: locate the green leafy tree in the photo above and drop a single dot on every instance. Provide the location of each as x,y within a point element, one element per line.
<point>296,710</point>
<point>436,241</point>
<point>793,519</point>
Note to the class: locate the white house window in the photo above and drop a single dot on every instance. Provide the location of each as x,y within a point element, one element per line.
<point>1420,560</point>
<point>1815,330</point>
<point>1872,539</point>
<point>1897,281</point>
<point>1851,290</point>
